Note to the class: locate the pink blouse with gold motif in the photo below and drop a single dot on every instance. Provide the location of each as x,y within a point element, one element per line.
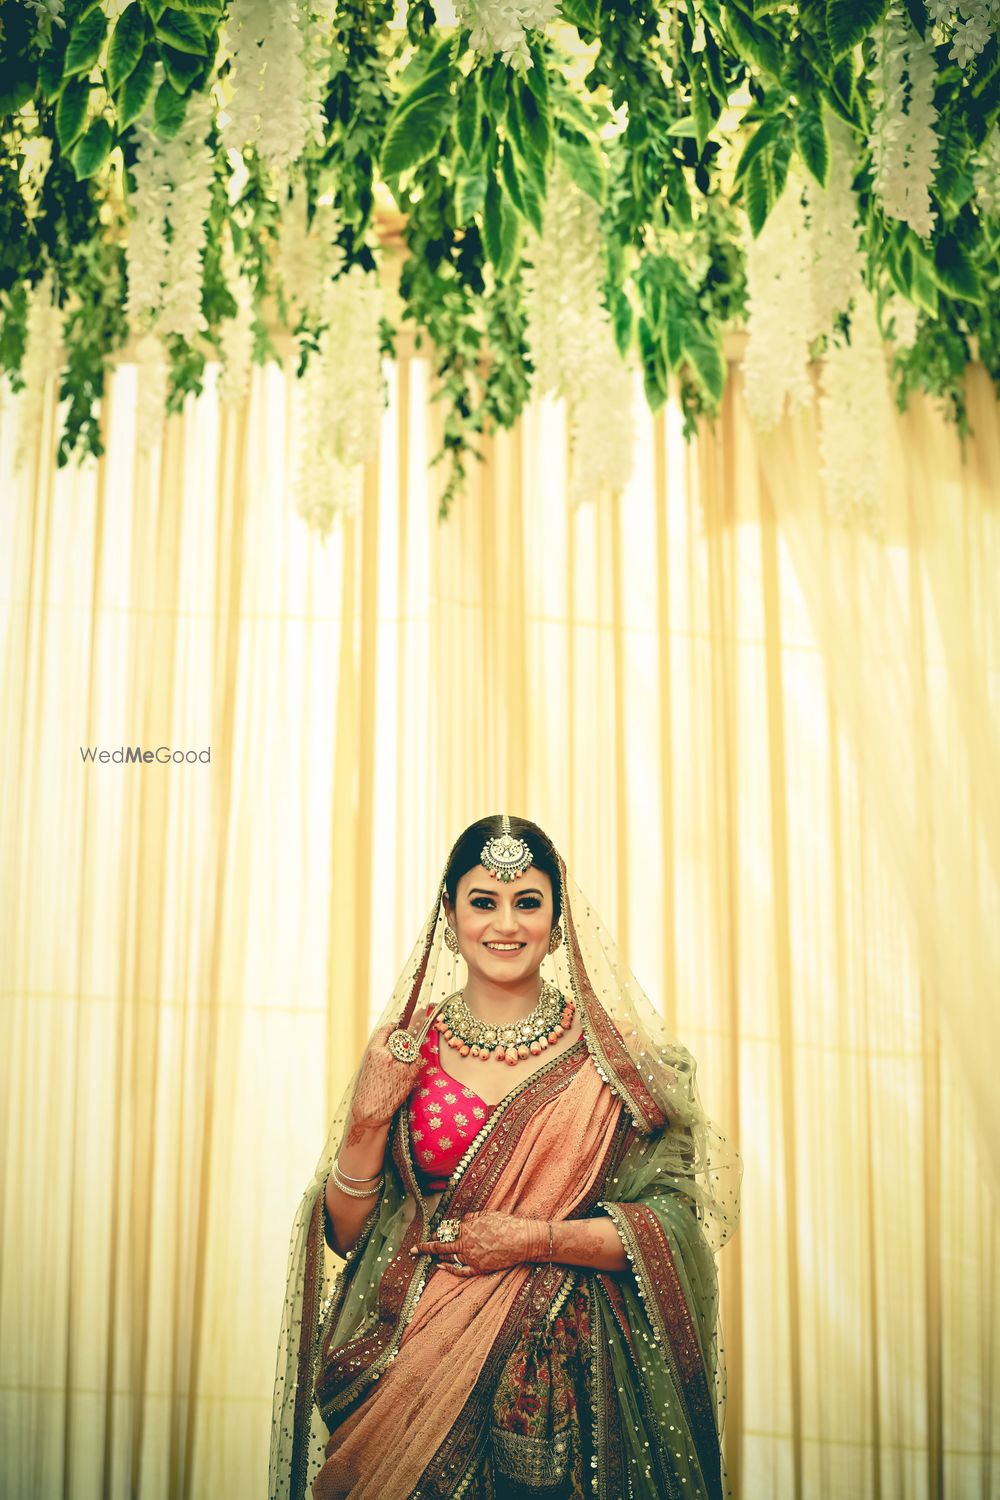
<point>445,1117</point>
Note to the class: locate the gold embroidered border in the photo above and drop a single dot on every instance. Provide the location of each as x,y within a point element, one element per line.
<point>665,1478</point>
<point>663,1296</point>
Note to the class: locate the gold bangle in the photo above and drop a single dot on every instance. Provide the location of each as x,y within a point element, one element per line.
<point>351,1192</point>
<point>550,1241</point>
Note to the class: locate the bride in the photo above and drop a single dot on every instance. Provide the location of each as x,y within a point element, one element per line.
<point>527,1199</point>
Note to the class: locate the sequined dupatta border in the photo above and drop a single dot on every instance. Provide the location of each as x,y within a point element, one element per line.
<point>673,1326</point>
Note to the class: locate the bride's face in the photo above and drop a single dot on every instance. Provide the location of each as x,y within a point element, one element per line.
<point>503,927</point>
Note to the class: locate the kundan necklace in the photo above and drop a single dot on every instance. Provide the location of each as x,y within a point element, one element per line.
<point>525,1037</point>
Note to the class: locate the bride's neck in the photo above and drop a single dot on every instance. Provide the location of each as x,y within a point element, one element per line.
<point>502,1002</point>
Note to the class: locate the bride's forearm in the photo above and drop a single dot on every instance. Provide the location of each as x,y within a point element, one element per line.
<point>588,1242</point>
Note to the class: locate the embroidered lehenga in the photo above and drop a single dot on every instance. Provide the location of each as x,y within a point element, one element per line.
<point>404,1382</point>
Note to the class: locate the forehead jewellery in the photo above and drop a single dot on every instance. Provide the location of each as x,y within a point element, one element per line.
<point>505,857</point>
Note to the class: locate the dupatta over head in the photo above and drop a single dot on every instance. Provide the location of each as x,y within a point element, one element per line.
<point>646,1155</point>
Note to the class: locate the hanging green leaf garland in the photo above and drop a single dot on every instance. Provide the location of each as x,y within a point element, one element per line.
<point>685,124</point>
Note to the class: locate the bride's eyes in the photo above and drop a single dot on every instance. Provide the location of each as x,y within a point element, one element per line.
<point>526,903</point>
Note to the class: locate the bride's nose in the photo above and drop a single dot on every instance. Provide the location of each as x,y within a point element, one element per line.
<point>505,921</point>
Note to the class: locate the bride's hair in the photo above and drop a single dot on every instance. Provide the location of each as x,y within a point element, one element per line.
<point>468,850</point>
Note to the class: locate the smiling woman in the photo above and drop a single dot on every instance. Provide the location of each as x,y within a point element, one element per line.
<point>529,1289</point>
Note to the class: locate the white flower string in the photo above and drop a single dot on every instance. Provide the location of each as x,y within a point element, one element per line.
<point>781,316</point>
<point>502,26</point>
<point>274,103</point>
<point>836,233</point>
<point>236,333</point>
<point>855,413</point>
<point>152,382</point>
<point>342,396</point>
<point>306,257</point>
<point>901,320</point>
<point>173,187</point>
<point>571,340</point>
<point>43,357</point>
<point>903,140</point>
<point>970,25</point>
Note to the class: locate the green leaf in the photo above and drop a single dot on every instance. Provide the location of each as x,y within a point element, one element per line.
<point>621,321</point>
<point>847,21</point>
<point>685,126</point>
<point>85,43</point>
<point>535,117</point>
<point>520,189</point>
<point>92,148</point>
<point>470,193</point>
<point>50,74</point>
<point>468,115</point>
<point>954,269</point>
<point>420,118</point>
<point>127,42</point>
<point>181,68</point>
<point>700,109</point>
<point>811,138</point>
<point>71,112</point>
<point>137,89</point>
<point>754,43</point>
<point>538,77</point>
<point>757,194</point>
<point>923,286</point>
<point>182,31</point>
<point>169,109</point>
<point>704,355</point>
<point>763,137</point>
<point>585,164</point>
<point>501,230</point>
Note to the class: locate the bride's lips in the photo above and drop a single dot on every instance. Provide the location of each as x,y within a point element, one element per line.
<point>504,952</point>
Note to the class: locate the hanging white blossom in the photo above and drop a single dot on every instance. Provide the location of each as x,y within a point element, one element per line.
<point>836,231</point>
<point>152,383</point>
<point>903,140</point>
<point>275,80</point>
<point>571,340</point>
<point>236,337</point>
<point>901,321</point>
<point>969,25</point>
<point>855,414</point>
<point>342,396</point>
<point>986,174</point>
<point>781,311</point>
<point>306,256</point>
<point>43,356</point>
<point>173,188</point>
<point>502,26</point>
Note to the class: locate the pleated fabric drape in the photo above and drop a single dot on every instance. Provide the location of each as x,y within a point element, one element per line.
<point>767,749</point>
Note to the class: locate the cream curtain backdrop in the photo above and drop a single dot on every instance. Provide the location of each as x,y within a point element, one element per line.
<point>768,753</point>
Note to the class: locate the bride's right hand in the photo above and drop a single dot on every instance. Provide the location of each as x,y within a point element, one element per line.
<point>383,1082</point>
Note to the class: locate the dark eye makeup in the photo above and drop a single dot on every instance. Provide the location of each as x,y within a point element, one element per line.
<point>526,903</point>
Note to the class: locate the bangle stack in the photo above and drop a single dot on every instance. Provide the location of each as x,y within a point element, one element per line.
<point>343,1181</point>
<point>550,1242</point>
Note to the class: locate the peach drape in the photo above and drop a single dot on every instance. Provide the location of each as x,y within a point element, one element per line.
<point>767,753</point>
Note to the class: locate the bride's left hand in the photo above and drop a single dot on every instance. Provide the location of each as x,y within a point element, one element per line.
<point>490,1242</point>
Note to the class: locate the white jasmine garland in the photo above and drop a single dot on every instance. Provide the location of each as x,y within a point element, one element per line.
<point>901,318</point>
<point>903,140</point>
<point>341,399</point>
<point>274,104</point>
<point>571,340</point>
<point>152,384</point>
<point>502,26</point>
<point>836,233</point>
<point>781,309</point>
<point>173,187</point>
<point>43,359</point>
<point>306,257</point>
<point>854,415</point>
<point>237,338</point>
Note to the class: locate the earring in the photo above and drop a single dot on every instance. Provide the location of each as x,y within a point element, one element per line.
<point>555,939</point>
<point>450,937</point>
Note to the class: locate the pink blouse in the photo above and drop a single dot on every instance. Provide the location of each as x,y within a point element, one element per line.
<point>445,1116</point>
